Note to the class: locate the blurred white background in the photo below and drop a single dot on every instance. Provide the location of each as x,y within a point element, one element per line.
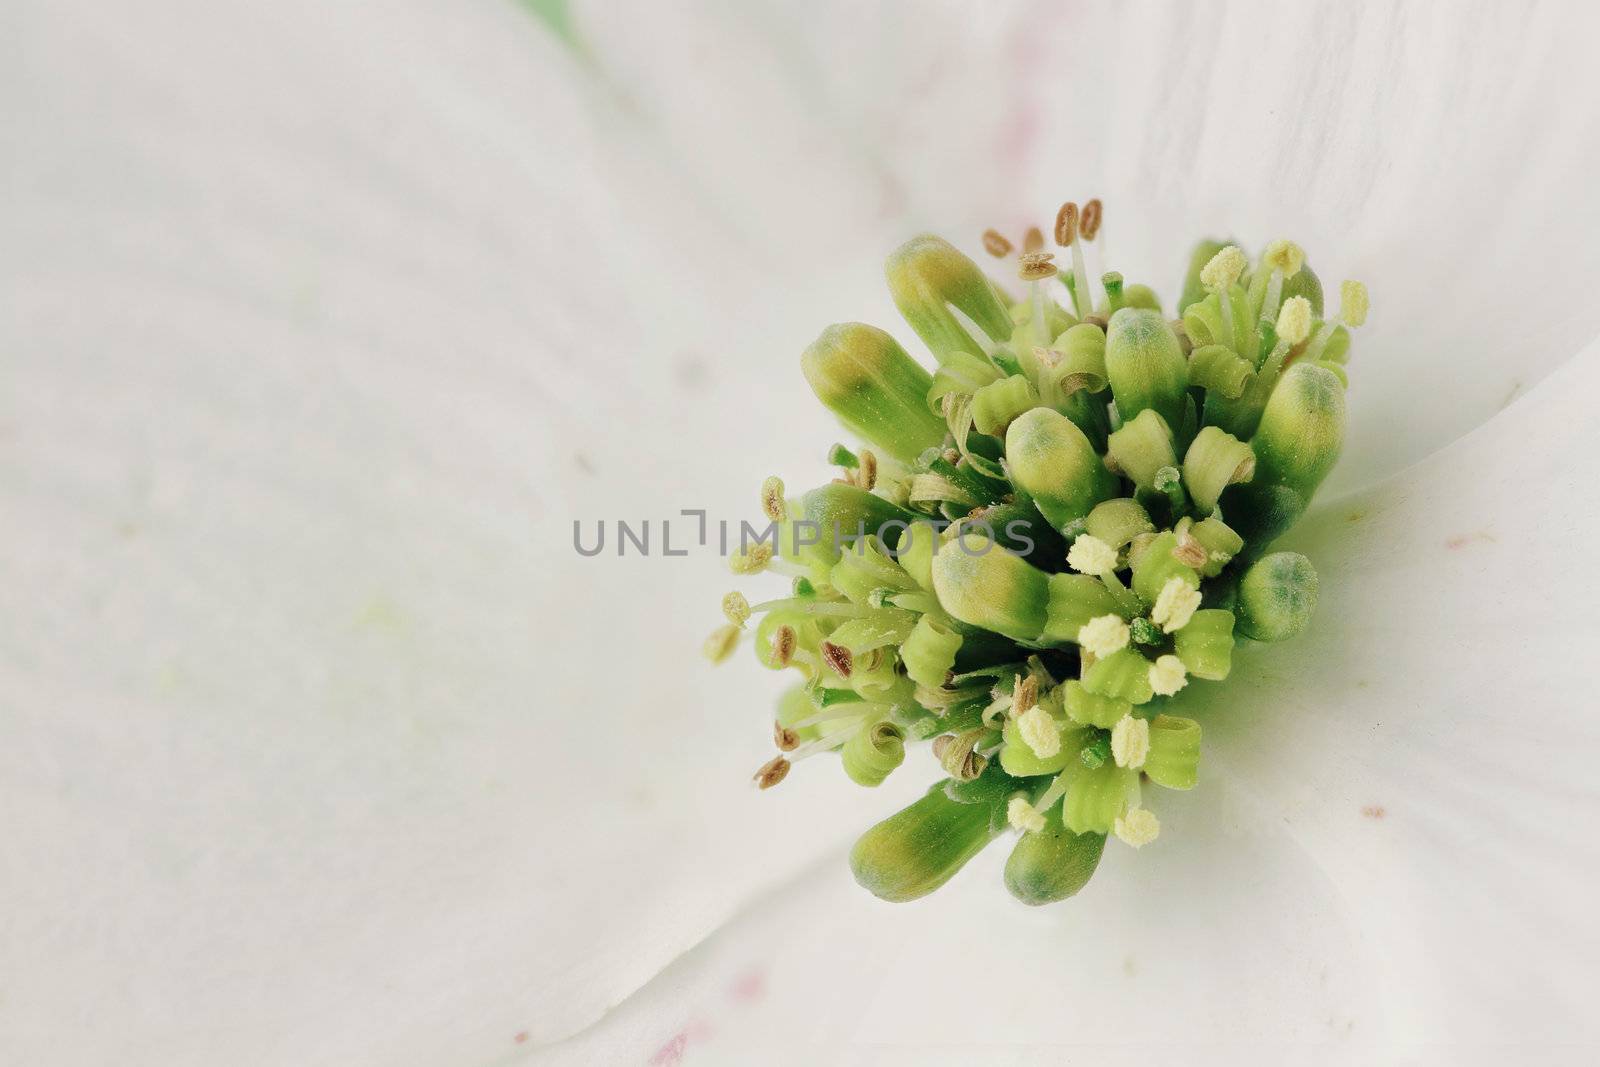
<point>320,324</point>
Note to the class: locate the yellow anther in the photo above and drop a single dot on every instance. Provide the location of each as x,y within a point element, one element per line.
<point>720,645</point>
<point>1090,555</point>
<point>1130,742</point>
<point>1285,256</point>
<point>1022,816</point>
<point>1138,828</point>
<point>736,608</point>
<point>772,498</point>
<point>1175,604</point>
<point>753,560</point>
<point>1223,269</point>
<point>1294,320</point>
<point>1352,303</point>
<point>1039,732</point>
<point>1168,675</point>
<point>1103,635</point>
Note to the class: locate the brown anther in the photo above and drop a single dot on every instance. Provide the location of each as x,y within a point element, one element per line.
<point>1096,320</point>
<point>941,745</point>
<point>772,772</point>
<point>995,244</point>
<point>1067,224</point>
<point>1089,221</point>
<point>838,657</point>
<point>783,645</point>
<point>1034,266</point>
<point>1024,694</point>
<point>786,739</point>
<point>1033,240</point>
<point>955,753</point>
<point>867,473</point>
<point>951,456</point>
<point>1189,551</point>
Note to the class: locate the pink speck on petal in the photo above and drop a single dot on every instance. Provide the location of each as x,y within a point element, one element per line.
<point>750,987</point>
<point>671,1054</point>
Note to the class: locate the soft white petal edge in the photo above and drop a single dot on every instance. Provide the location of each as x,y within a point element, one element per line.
<point>1391,850</point>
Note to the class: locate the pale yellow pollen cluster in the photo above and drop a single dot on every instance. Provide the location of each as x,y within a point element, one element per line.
<point>1223,269</point>
<point>1168,675</point>
<point>1175,605</point>
<point>1294,320</point>
<point>720,645</point>
<point>1090,555</point>
<point>1039,732</point>
<point>772,498</point>
<point>752,561</point>
<point>1130,742</point>
<point>1022,816</point>
<point>1104,635</point>
<point>1352,303</point>
<point>1285,256</point>
<point>1138,828</point>
<point>735,608</point>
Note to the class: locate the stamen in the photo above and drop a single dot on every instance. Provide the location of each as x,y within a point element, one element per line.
<point>1022,816</point>
<point>1219,276</point>
<point>1039,732</point>
<point>1168,675</point>
<point>753,560</point>
<point>786,739</point>
<point>1104,635</point>
<point>1024,693</point>
<point>1130,742</point>
<point>838,657</point>
<point>1067,224</point>
<point>1353,303</point>
<point>720,645</point>
<point>1294,321</point>
<point>1033,266</point>
<point>772,498</point>
<point>1175,604</point>
<point>772,772</point>
<point>1284,256</point>
<point>1284,259</point>
<point>1070,226</point>
<point>867,474</point>
<point>995,244</point>
<point>736,608</point>
<point>1089,221</point>
<point>1138,828</point>
<point>1190,552</point>
<point>1090,555</point>
<point>784,640</point>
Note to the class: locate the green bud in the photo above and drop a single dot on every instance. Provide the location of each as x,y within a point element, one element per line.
<point>1216,459</point>
<point>1053,863</point>
<point>926,277</point>
<point>835,515</point>
<point>1141,296</point>
<point>1074,599</point>
<point>1119,521</point>
<point>1205,645</point>
<point>995,405</point>
<point>918,849</point>
<point>1296,445</point>
<point>1174,757</point>
<point>1145,365</point>
<point>1276,597</point>
<point>1052,461</point>
<point>1142,447</point>
<point>878,391</point>
<point>1193,289</point>
<point>984,585</point>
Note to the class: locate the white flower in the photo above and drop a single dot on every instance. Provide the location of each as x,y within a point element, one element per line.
<point>319,345</point>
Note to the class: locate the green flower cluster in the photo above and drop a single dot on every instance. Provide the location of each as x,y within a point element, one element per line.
<point>1044,541</point>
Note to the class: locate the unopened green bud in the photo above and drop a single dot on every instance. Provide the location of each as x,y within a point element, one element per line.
<point>1145,365</point>
<point>986,586</point>
<point>1216,459</point>
<point>1119,521</point>
<point>920,848</point>
<point>1193,288</point>
<point>1142,447</point>
<point>834,516</point>
<point>927,276</point>
<point>1296,445</point>
<point>1205,645</point>
<point>1052,461</point>
<point>1053,863</point>
<point>1141,296</point>
<point>1276,597</point>
<point>878,391</point>
<point>995,405</point>
<point>1174,757</point>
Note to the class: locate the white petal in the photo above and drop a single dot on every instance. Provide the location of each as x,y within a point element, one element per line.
<point>1390,847</point>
